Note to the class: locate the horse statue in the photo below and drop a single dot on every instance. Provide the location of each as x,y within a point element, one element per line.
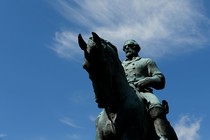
<point>124,115</point>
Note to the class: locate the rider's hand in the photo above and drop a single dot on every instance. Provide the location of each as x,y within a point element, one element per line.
<point>143,83</point>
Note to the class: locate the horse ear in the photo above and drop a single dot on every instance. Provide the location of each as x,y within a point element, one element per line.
<point>81,42</point>
<point>96,39</point>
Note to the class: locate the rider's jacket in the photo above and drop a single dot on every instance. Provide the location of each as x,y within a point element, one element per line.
<point>139,68</point>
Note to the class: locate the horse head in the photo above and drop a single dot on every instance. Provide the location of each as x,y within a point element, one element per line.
<point>100,60</point>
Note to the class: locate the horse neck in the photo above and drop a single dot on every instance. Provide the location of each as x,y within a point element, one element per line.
<point>120,84</point>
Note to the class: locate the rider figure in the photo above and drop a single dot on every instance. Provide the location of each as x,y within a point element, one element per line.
<point>143,75</point>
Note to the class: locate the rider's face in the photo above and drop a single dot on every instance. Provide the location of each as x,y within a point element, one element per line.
<point>130,51</point>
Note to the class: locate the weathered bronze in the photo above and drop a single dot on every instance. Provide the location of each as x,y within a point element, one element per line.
<point>124,115</point>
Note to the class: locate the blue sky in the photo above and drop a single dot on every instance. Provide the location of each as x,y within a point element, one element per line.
<point>45,93</point>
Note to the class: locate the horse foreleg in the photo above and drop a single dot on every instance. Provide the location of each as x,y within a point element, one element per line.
<point>98,129</point>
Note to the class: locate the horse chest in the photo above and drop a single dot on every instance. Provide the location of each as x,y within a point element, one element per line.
<point>104,125</point>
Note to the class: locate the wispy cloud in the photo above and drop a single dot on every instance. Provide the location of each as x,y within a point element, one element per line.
<point>160,26</point>
<point>65,44</point>
<point>70,122</point>
<point>2,136</point>
<point>188,128</point>
<point>74,137</point>
<point>92,118</point>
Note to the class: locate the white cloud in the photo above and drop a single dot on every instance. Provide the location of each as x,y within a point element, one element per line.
<point>65,44</point>
<point>74,137</point>
<point>188,128</point>
<point>160,26</point>
<point>68,121</point>
<point>2,136</point>
<point>92,118</point>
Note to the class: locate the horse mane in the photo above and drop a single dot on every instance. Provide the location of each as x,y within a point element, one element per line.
<point>112,46</point>
<point>106,42</point>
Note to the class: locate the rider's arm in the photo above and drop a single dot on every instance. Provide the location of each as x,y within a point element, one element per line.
<point>156,78</point>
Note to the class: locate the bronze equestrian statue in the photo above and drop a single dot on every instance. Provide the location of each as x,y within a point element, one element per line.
<point>124,115</point>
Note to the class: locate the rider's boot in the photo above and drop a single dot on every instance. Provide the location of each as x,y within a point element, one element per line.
<point>161,128</point>
<point>160,122</point>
